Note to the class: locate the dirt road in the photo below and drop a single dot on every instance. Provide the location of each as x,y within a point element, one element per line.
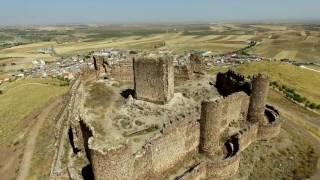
<point>32,138</point>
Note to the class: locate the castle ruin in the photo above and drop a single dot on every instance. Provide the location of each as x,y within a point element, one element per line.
<point>157,133</point>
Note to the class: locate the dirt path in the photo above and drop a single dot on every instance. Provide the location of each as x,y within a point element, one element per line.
<point>309,69</point>
<point>32,138</point>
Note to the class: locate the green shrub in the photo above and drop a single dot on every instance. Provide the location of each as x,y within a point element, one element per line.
<point>312,106</point>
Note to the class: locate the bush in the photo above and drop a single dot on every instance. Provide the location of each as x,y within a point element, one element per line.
<point>312,106</point>
<point>274,83</point>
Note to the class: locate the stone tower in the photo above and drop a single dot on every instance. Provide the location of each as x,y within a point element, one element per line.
<point>154,79</point>
<point>211,122</point>
<point>258,98</point>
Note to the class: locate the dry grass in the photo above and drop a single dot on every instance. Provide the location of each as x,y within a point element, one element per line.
<point>45,148</point>
<point>19,99</point>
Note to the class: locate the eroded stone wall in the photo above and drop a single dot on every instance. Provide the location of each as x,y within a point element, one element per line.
<point>167,151</point>
<point>196,173</point>
<point>216,116</point>
<point>115,164</point>
<point>269,131</point>
<point>224,169</point>
<point>100,64</point>
<point>122,70</point>
<point>248,135</point>
<point>196,63</point>
<point>154,79</point>
<point>182,73</point>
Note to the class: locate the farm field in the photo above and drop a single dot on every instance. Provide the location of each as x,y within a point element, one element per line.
<point>298,42</point>
<point>304,81</point>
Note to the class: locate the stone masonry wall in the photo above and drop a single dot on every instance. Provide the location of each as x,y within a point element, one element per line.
<point>154,79</point>
<point>196,63</point>
<point>115,164</point>
<point>122,70</point>
<point>182,73</point>
<point>197,173</point>
<point>165,152</point>
<point>100,64</point>
<point>224,169</point>
<point>269,131</point>
<point>248,135</point>
<point>216,116</point>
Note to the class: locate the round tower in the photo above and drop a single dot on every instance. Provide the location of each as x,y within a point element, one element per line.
<point>210,127</point>
<point>258,98</point>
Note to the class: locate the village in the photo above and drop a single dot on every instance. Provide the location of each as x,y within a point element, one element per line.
<point>69,67</point>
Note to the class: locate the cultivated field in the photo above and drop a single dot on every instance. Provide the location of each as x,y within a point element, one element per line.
<point>299,42</point>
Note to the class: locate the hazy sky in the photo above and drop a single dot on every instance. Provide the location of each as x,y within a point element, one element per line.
<point>14,12</point>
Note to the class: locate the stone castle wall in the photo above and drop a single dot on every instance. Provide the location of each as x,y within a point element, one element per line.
<point>224,169</point>
<point>196,63</point>
<point>100,64</point>
<point>182,73</point>
<point>154,79</point>
<point>196,173</point>
<point>180,141</point>
<point>248,135</point>
<point>269,131</point>
<point>122,70</point>
<point>161,155</point>
<point>216,116</point>
<point>115,164</point>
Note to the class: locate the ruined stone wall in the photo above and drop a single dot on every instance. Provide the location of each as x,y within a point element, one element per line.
<point>115,164</point>
<point>248,135</point>
<point>182,73</point>
<point>196,63</point>
<point>196,173</point>
<point>224,169</point>
<point>167,151</point>
<point>154,79</point>
<point>236,106</point>
<point>269,131</point>
<point>178,142</point>
<point>216,116</point>
<point>258,98</point>
<point>101,65</point>
<point>143,167</point>
<point>123,70</point>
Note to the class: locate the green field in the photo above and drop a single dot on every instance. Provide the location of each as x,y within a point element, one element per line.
<point>19,99</point>
<point>304,81</point>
